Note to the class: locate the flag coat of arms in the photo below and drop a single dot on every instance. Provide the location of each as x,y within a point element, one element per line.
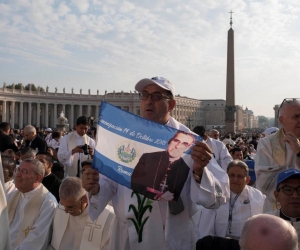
<point>150,158</point>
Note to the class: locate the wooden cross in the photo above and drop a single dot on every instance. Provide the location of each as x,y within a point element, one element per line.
<point>92,226</point>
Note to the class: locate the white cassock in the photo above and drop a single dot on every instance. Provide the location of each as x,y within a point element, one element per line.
<point>221,153</point>
<point>65,156</point>
<point>9,187</point>
<point>216,222</point>
<point>80,232</point>
<point>55,144</point>
<point>273,156</point>
<point>30,216</point>
<point>159,228</point>
<point>4,223</point>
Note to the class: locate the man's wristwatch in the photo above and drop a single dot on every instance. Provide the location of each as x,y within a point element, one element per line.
<point>298,155</point>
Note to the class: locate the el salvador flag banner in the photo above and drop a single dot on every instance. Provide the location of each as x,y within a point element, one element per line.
<point>128,145</point>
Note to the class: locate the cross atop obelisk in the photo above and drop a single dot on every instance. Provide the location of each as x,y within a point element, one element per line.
<point>230,109</point>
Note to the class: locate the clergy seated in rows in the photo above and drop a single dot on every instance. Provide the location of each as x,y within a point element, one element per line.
<point>244,202</point>
<point>268,232</point>
<point>71,152</point>
<point>287,195</point>
<point>278,151</point>
<point>30,208</point>
<point>50,181</point>
<point>9,167</point>
<point>26,153</point>
<point>72,226</point>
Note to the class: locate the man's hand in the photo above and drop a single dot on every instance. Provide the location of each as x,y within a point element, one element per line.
<point>91,151</point>
<point>167,196</point>
<point>77,149</point>
<point>201,154</point>
<point>291,139</point>
<point>90,181</point>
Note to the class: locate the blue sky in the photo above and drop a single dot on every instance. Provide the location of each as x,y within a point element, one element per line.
<point>111,44</point>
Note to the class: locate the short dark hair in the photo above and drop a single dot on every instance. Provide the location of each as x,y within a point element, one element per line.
<point>82,120</point>
<point>4,126</point>
<point>199,130</point>
<point>55,134</point>
<point>9,164</point>
<point>49,157</point>
<point>235,149</point>
<point>88,162</point>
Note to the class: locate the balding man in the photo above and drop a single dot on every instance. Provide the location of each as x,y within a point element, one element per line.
<point>268,232</point>
<point>72,226</point>
<point>33,140</point>
<point>278,151</point>
<point>215,134</point>
<point>30,208</point>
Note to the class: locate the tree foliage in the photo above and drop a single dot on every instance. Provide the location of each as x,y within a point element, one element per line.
<point>262,119</point>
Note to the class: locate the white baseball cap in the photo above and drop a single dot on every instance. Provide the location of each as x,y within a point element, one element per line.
<point>270,131</point>
<point>48,130</point>
<point>159,81</point>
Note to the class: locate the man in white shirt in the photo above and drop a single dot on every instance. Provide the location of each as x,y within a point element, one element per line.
<point>279,151</point>
<point>30,208</point>
<point>72,226</point>
<point>161,229</point>
<point>76,147</point>
<point>245,201</point>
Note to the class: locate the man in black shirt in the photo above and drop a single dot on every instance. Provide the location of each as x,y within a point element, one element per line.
<point>33,140</point>
<point>6,141</point>
<point>50,181</point>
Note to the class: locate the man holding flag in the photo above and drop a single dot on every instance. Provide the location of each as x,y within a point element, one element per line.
<point>168,225</point>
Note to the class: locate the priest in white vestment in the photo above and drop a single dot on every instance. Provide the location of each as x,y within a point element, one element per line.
<point>278,151</point>
<point>287,195</point>
<point>166,227</point>
<point>71,153</point>
<point>30,208</point>
<point>4,223</point>
<point>245,201</point>
<point>72,225</point>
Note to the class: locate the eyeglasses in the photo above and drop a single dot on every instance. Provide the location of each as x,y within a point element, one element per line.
<point>22,171</point>
<point>186,144</point>
<point>71,209</point>
<point>28,134</point>
<point>289,190</point>
<point>287,100</point>
<point>156,96</point>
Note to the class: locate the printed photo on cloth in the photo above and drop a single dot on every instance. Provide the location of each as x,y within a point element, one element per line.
<point>147,157</point>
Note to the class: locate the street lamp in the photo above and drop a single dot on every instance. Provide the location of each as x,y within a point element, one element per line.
<point>189,120</point>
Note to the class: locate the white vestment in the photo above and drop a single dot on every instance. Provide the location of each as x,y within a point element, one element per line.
<point>80,232</point>
<point>65,156</point>
<point>273,156</point>
<point>215,222</point>
<point>23,208</point>
<point>221,153</point>
<point>4,223</point>
<point>9,187</point>
<point>162,230</point>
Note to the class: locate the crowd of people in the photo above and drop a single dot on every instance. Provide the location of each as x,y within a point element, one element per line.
<point>240,191</point>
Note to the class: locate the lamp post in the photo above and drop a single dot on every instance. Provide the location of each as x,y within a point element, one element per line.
<point>189,120</point>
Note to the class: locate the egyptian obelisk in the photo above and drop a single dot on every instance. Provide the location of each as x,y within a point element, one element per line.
<point>230,109</point>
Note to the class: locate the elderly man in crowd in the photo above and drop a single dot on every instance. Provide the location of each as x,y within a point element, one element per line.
<point>278,151</point>
<point>287,195</point>
<point>268,232</point>
<point>245,201</point>
<point>215,134</point>
<point>30,208</point>
<point>9,166</point>
<point>33,140</point>
<point>161,229</point>
<point>72,226</point>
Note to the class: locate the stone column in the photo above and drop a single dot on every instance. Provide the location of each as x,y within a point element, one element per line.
<point>54,114</point>
<point>80,111</point>
<point>88,111</point>
<point>71,121</point>
<point>64,108</point>
<point>29,114</point>
<point>12,114</point>
<point>38,114</point>
<point>97,113</point>
<point>21,115</point>
<point>46,115</point>
<point>3,111</point>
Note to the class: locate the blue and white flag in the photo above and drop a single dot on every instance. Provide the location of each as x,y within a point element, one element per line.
<point>150,158</point>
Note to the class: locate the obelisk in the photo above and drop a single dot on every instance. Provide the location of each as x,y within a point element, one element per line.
<point>230,109</point>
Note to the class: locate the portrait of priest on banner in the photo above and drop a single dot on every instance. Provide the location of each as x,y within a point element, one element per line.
<point>161,175</point>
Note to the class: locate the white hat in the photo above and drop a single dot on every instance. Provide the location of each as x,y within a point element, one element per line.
<point>160,81</point>
<point>270,131</point>
<point>48,130</point>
